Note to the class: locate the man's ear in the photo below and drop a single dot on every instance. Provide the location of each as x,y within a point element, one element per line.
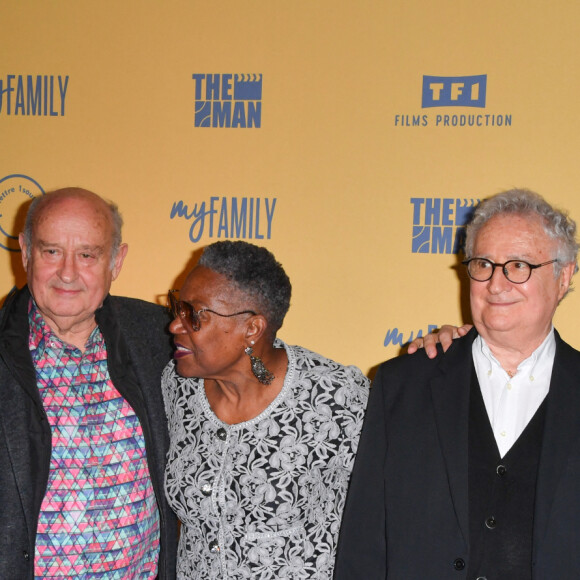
<point>119,259</point>
<point>24,251</point>
<point>566,279</point>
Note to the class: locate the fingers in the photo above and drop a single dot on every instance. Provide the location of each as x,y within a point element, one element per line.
<point>430,344</point>
<point>445,335</point>
<point>415,345</point>
<point>463,330</point>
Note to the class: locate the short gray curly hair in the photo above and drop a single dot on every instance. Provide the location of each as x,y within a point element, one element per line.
<point>255,271</point>
<point>557,225</point>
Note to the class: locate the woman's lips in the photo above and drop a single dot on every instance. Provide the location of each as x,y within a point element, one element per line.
<point>180,351</point>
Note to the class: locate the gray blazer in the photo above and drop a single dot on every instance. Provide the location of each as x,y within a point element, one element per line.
<point>138,348</point>
<point>406,516</point>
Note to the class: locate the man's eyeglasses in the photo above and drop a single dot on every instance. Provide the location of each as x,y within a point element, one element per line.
<point>187,314</point>
<point>516,271</point>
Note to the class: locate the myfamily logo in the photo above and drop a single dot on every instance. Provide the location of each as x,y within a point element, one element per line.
<point>397,338</point>
<point>439,224</point>
<point>452,92</point>
<point>33,95</point>
<point>226,100</point>
<point>249,218</point>
<point>15,190</point>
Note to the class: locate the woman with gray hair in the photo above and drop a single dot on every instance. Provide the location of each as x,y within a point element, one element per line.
<point>263,435</point>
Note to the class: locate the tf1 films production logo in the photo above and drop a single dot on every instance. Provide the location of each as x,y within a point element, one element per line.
<point>227,100</point>
<point>14,191</point>
<point>439,224</point>
<point>33,95</point>
<point>450,92</point>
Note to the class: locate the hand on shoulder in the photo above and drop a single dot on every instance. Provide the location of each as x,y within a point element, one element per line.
<point>444,335</point>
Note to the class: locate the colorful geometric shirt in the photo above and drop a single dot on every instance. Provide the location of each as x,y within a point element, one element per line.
<point>99,516</point>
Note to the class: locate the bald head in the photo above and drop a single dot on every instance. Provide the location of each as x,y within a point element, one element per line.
<point>41,204</point>
<point>71,253</point>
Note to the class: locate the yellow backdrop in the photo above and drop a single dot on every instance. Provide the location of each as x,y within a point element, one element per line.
<point>347,137</point>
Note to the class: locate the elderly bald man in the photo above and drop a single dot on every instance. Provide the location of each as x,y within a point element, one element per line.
<point>83,434</point>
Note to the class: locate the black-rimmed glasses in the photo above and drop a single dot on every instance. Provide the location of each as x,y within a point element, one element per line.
<point>187,314</point>
<point>516,271</point>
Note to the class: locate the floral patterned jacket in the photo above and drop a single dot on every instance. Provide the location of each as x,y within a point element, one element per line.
<point>263,499</point>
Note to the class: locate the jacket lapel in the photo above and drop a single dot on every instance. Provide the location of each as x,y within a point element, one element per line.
<point>26,431</point>
<point>561,433</point>
<point>14,345</point>
<point>450,392</point>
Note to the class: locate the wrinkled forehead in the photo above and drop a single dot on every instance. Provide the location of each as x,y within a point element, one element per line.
<point>90,215</point>
<point>518,230</point>
<point>207,286</point>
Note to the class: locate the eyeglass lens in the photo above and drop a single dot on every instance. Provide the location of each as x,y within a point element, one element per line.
<point>185,312</point>
<point>515,270</point>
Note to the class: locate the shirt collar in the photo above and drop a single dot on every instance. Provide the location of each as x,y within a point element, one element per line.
<point>486,359</point>
<point>42,335</point>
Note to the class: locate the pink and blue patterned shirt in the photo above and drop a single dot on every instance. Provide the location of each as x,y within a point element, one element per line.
<point>99,517</point>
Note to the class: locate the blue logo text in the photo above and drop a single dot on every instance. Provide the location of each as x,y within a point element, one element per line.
<point>230,101</point>
<point>223,217</point>
<point>28,95</point>
<point>395,337</point>
<point>438,224</point>
<point>454,91</point>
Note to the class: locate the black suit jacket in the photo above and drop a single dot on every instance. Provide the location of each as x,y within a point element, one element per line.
<point>406,515</point>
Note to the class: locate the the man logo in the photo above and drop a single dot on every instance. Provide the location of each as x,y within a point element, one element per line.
<point>228,100</point>
<point>439,224</point>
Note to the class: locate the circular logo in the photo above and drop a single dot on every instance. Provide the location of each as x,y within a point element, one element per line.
<point>15,190</point>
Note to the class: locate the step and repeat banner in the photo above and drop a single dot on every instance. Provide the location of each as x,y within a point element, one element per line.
<point>350,138</point>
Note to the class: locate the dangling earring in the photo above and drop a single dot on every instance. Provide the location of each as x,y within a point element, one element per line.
<point>260,371</point>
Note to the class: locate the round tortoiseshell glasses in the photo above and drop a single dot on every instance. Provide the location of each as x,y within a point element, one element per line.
<point>187,314</point>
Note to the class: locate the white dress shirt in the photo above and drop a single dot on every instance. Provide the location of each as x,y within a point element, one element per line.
<point>511,402</point>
